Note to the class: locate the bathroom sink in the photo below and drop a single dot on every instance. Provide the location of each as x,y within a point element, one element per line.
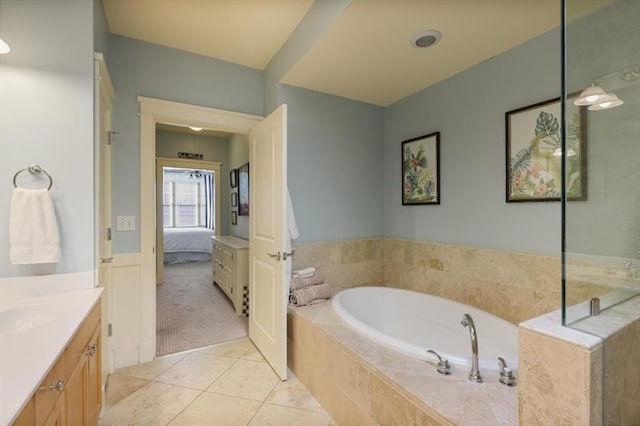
<point>21,318</point>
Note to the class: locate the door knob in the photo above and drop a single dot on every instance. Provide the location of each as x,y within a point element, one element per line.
<point>276,256</point>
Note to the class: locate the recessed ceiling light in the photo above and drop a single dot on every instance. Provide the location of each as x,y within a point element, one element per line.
<point>195,129</point>
<point>426,38</point>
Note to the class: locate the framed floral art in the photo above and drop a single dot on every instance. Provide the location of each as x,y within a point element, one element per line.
<point>421,170</point>
<point>534,153</point>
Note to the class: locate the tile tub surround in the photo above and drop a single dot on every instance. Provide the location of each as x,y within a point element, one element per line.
<point>513,286</point>
<point>346,264</point>
<point>584,374</point>
<point>360,382</point>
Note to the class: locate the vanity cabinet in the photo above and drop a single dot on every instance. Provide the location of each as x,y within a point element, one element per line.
<point>231,268</point>
<point>71,394</point>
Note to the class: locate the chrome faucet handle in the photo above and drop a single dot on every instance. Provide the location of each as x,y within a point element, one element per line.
<point>443,366</point>
<point>506,374</point>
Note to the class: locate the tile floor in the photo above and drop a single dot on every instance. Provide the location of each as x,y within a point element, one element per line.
<point>226,384</point>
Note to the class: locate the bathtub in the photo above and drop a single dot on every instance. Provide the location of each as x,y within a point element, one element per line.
<point>413,322</point>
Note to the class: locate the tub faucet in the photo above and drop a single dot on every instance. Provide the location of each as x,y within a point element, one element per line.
<point>474,376</point>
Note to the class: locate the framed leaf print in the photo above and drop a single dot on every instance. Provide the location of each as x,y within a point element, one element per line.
<point>534,153</point>
<point>421,170</point>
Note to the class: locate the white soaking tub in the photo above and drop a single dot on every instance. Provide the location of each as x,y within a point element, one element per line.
<point>413,322</point>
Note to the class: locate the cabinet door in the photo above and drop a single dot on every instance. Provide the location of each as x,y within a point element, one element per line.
<point>94,378</point>
<point>57,416</point>
<point>76,394</point>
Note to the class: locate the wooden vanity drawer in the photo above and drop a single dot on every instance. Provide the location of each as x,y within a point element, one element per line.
<point>79,343</point>
<point>45,398</point>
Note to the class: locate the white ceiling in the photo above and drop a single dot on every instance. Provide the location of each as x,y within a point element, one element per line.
<point>364,55</point>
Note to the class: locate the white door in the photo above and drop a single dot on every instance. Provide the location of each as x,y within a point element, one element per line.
<point>268,283</point>
<point>103,94</point>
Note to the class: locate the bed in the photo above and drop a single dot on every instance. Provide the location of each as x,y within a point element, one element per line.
<point>187,245</point>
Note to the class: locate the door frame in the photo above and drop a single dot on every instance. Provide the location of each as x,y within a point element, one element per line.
<point>181,163</point>
<point>103,109</point>
<point>152,112</point>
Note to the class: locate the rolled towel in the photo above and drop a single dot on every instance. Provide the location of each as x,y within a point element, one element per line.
<point>305,296</point>
<point>301,282</point>
<point>304,273</point>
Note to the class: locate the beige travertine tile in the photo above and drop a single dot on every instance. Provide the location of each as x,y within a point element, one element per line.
<point>232,349</point>
<point>555,380</point>
<point>621,381</point>
<point>390,408</point>
<point>292,393</point>
<point>253,354</point>
<point>154,404</point>
<point>151,370</point>
<point>215,409</point>
<point>120,386</point>
<point>474,276</point>
<point>197,371</point>
<point>246,379</point>
<point>275,415</point>
<point>348,373</point>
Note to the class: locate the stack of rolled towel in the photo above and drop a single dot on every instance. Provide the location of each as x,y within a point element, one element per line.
<point>308,287</point>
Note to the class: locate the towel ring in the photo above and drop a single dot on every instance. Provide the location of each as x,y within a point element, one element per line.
<point>33,169</point>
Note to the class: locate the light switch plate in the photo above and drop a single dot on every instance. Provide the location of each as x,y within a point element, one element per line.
<point>126,223</point>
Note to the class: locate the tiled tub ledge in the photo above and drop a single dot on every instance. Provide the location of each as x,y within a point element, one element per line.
<point>360,382</point>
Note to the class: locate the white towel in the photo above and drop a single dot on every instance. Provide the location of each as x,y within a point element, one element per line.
<point>304,273</point>
<point>293,233</point>
<point>33,229</point>
<point>291,219</point>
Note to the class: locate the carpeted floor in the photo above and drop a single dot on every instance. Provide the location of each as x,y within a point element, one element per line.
<point>192,312</point>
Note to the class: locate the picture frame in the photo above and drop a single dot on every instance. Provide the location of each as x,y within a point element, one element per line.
<point>243,190</point>
<point>233,178</point>
<point>534,153</point>
<point>234,199</point>
<point>421,170</point>
<point>234,217</point>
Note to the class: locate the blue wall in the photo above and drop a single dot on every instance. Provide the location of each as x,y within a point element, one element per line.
<point>143,69</point>
<point>46,117</point>
<point>344,167</point>
<point>335,162</point>
<point>469,111</point>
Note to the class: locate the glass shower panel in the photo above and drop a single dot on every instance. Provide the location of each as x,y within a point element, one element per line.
<point>601,264</point>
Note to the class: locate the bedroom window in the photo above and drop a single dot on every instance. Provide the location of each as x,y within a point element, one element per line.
<point>183,200</point>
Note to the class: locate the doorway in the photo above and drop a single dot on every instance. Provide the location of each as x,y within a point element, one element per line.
<point>192,312</point>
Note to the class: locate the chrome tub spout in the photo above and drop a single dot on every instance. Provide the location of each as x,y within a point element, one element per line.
<point>475,375</point>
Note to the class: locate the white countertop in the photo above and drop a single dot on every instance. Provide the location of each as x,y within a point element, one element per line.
<point>27,355</point>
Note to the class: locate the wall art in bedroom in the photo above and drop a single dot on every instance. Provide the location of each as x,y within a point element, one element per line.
<point>243,190</point>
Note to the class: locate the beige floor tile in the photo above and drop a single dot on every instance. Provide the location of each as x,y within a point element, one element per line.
<point>120,386</point>
<point>253,354</point>
<point>246,379</point>
<point>151,370</point>
<point>154,404</point>
<point>275,415</point>
<point>196,371</point>
<point>233,349</point>
<point>292,393</point>
<point>214,409</point>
